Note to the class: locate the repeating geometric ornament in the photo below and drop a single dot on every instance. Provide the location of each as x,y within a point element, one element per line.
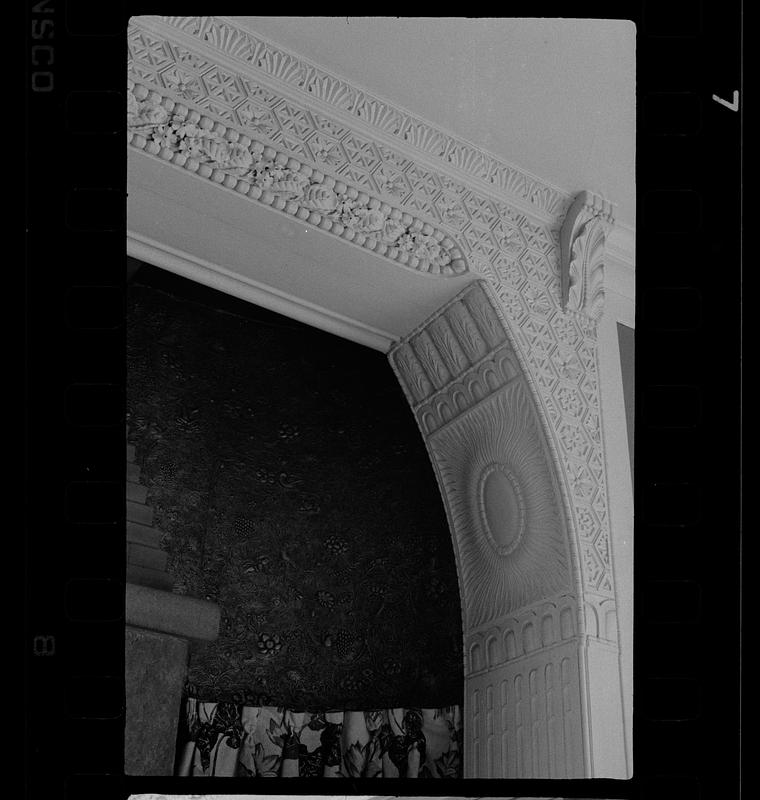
<point>594,569</point>
<point>539,335</point>
<point>588,525</point>
<point>393,182</point>
<point>536,265</point>
<point>566,330</point>
<point>605,585</point>
<point>573,439</point>
<point>392,157</point>
<point>142,73</point>
<point>595,463</point>
<point>591,424</point>
<point>587,355</point>
<point>182,82</point>
<point>552,410</point>
<point>148,50</point>
<point>481,210</point>
<point>358,176</point>
<point>326,150</point>
<point>422,180</point>
<point>258,118</point>
<point>570,401</point>
<point>538,238</point>
<point>513,303</point>
<point>262,95</point>
<point>361,152</point>
<point>223,111</point>
<point>479,239</point>
<point>451,209</point>
<point>508,270</point>
<point>294,120</point>
<point>190,61</point>
<point>546,377</point>
<point>589,388</point>
<point>602,545</point>
<point>508,238</point>
<point>536,299</point>
<point>581,482</point>
<point>599,505</point>
<point>295,146</point>
<point>567,363</point>
<point>223,86</point>
<point>421,203</point>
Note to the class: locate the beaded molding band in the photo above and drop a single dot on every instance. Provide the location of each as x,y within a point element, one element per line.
<point>184,137</point>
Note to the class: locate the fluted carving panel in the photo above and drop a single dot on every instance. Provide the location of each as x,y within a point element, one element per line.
<point>525,719</point>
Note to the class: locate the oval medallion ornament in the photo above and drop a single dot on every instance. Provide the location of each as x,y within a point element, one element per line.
<point>502,508</point>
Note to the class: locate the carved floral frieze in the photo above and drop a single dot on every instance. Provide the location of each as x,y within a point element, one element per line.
<point>190,140</point>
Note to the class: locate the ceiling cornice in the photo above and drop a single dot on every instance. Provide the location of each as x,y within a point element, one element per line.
<point>444,191</point>
<point>258,57</point>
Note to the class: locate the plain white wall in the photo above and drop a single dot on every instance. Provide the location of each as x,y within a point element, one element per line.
<point>619,307</point>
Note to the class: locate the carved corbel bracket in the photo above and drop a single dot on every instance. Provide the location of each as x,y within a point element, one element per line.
<point>582,241</point>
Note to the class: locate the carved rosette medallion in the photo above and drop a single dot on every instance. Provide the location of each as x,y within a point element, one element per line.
<point>502,508</point>
<point>502,500</point>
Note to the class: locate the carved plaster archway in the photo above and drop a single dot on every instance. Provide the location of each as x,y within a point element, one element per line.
<point>537,654</point>
<point>502,378</point>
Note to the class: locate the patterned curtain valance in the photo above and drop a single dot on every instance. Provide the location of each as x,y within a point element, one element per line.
<point>226,740</point>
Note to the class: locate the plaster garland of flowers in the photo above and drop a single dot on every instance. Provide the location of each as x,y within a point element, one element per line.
<point>201,145</point>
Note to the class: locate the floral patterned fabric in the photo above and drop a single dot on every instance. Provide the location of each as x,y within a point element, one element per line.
<point>266,742</point>
<point>293,488</point>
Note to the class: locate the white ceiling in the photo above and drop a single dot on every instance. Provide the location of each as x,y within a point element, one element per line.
<point>554,97</point>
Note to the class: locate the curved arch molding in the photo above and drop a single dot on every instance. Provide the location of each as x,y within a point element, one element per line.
<point>540,632</point>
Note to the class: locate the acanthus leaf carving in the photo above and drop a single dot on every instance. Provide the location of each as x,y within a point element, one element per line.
<point>582,243</point>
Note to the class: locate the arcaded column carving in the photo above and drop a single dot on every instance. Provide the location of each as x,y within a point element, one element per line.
<point>586,226</point>
<point>527,618</point>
